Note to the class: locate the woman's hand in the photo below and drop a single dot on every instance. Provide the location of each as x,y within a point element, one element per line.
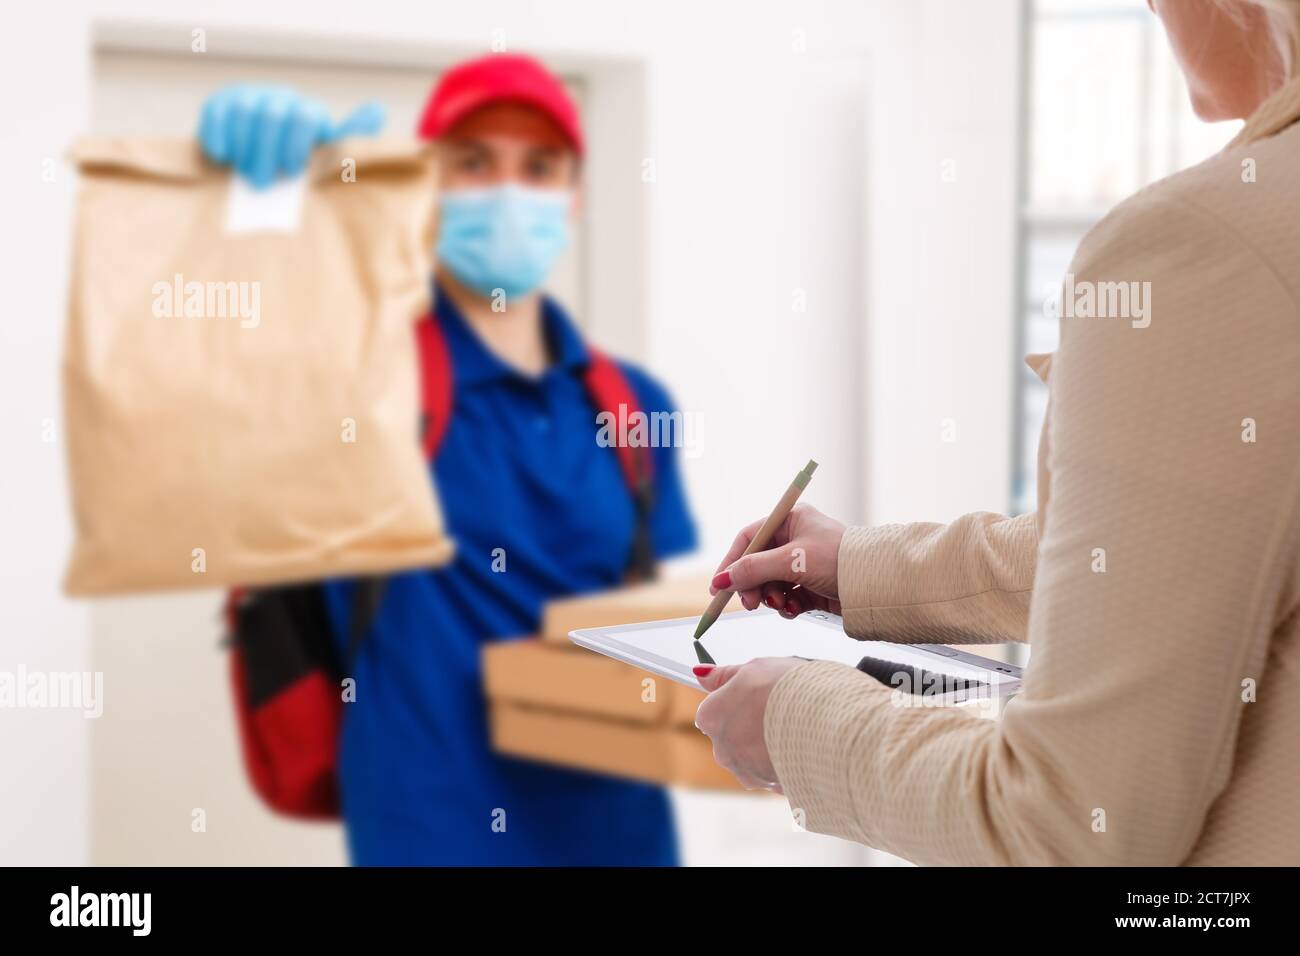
<point>798,572</point>
<point>732,716</point>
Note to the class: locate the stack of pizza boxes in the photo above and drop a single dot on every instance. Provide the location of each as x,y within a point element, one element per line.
<point>555,702</point>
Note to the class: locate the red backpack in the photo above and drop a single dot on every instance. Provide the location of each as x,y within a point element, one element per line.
<point>285,668</point>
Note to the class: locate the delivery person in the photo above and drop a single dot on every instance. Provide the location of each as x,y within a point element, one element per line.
<point>538,508</point>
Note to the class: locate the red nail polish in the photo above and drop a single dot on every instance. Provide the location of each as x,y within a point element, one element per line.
<point>770,601</point>
<point>722,580</point>
<point>701,670</point>
<point>792,608</point>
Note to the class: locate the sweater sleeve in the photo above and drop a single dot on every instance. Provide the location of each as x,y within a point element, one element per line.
<point>1166,544</point>
<point>963,583</point>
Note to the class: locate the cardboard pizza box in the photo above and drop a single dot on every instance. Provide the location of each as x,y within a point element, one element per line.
<point>676,756</point>
<point>552,701</point>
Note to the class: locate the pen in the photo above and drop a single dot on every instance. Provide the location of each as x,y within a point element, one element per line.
<point>760,540</point>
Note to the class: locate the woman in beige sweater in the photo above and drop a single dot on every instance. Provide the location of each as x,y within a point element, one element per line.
<point>1158,583</point>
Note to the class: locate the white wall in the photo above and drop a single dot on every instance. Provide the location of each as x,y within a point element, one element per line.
<point>42,752</point>
<point>757,125</point>
<point>942,254</point>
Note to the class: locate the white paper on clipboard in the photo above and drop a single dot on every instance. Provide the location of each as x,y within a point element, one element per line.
<point>666,648</point>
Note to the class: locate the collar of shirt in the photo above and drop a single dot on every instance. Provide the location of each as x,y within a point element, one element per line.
<point>473,362</point>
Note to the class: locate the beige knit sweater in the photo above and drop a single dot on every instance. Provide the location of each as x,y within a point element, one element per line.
<point>1160,717</point>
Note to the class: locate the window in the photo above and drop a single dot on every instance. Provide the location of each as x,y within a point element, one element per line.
<point>1105,113</point>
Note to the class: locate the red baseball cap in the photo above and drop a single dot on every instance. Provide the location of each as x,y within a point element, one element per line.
<point>494,78</point>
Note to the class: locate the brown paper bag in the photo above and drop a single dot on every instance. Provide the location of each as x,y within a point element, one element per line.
<point>240,388</point>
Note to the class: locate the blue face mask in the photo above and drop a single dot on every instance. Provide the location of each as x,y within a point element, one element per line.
<point>504,237</point>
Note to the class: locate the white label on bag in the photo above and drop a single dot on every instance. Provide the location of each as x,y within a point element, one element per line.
<point>277,208</point>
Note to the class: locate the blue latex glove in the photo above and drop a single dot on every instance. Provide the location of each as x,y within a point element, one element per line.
<point>269,131</point>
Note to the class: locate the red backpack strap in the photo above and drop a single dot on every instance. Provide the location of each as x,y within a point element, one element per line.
<point>611,392</point>
<point>609,389</point>
<point>435,384</point>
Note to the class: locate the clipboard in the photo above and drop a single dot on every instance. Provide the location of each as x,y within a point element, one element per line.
<point>665,648</point>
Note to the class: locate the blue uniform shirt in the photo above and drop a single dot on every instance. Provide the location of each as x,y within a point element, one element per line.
<point>519,470</point>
